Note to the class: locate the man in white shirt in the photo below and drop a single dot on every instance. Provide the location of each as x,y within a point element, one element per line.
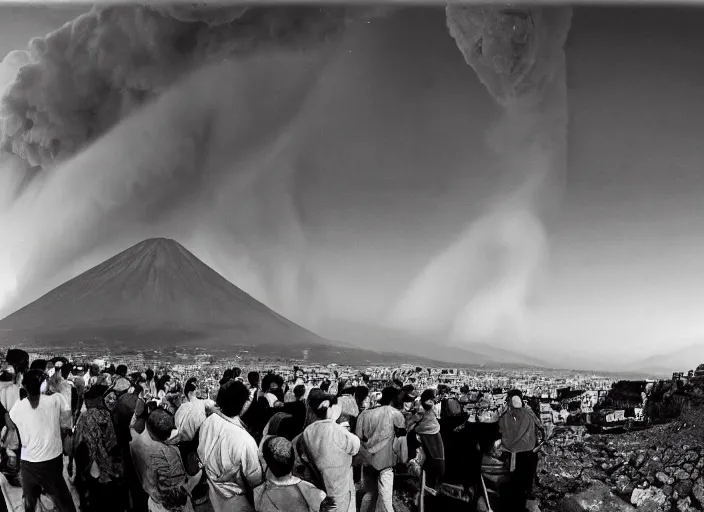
<point>40,420</point>
<point>192,413</point>
<point>230,455</point>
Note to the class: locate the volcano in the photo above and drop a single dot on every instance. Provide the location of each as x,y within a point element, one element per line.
<point>155,293</point>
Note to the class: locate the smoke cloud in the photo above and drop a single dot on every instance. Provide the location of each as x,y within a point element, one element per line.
<point>92,72</point>
<point>132,122</point>
<point>518,55</point>
<point>74,176</point>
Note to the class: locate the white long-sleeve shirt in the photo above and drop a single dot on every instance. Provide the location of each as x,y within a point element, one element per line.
<point>190,416</point>
<point>230,457</point>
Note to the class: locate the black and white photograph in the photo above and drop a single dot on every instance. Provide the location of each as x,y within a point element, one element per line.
<point>357,256</point>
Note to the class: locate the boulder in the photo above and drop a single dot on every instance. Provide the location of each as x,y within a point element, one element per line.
<point>595,499</point>
<point>650,495</point>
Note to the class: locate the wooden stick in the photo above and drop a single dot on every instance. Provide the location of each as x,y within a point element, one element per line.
<point>486,494</point>
<point>421,494</point>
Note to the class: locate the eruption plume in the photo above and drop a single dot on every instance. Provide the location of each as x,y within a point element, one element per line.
<point>64,98</point>
<point>518,55</point>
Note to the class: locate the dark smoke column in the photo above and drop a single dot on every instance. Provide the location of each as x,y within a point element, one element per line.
<point>516,52</point>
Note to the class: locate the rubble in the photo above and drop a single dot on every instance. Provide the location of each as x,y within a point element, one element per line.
<point>658,470</point>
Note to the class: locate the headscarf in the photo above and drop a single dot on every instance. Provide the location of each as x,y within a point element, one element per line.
<point>96,430</point>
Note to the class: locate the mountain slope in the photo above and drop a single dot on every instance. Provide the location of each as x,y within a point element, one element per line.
<point>681,359</point>
<point>158,292</point>
<point>388,340</point>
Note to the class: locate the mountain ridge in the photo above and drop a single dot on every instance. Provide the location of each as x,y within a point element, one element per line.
<point>155,284</point>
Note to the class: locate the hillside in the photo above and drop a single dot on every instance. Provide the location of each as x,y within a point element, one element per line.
<point>155,292</point>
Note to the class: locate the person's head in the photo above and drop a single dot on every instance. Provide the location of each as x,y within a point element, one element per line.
<point>236,372</point>
<point>231,398</point>
<point>361,394</point>
<point>464,389</point>
<point>39,364</point>
<point>397,383</point>
<point>299,391</point>
<point>94,396</point>
<point>391,396</point>
<point>427,399</point>
<point>278,455</point>
<point>253,379</point>
<point>149,374</point>
<point>515,398</point>
<point>110,370</point>
<point>227,375</point>
<point>325,386</point>
<point>163,381</point>
<point>121,370</point>
<point>190,389</point>
<point>66,370</point>
<point>32,384</point>
<point>323,405</point>
<point>160,424</point>
<point>269,384</point>
<point>94,370</point>
<point>346,388</point>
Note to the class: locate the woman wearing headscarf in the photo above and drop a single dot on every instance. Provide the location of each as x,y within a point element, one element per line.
<point>520,429</point>
<point>98,456</point>
<point>281,491</point>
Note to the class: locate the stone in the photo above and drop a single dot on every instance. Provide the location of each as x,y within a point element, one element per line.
<point>651,494</point>
<point>623,486</point>
<point>668,490</point>
<point>685,505</point>
<point>664,479</point>
<point>684,487</point>
<point>698,494</point>
<point>595,499</point>
<point>681,474</point>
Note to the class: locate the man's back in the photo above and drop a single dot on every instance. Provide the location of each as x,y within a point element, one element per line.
<point>40,428</point>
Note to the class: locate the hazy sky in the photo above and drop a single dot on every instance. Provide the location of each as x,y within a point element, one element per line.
<point>626,230</point>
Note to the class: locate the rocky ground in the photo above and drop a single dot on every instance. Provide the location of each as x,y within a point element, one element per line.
<point>660,469</point>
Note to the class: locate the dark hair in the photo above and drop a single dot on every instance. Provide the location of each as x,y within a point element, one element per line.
<point>267,381</point>
<point>253,378</point>
<point>236,372</point>
<point>231,398</point>
<point>512,393</point>
<point>161,383</point>
<point>149,373</point>
<point>325,385</point>
<point>227,375</point>
<point>38,364</point>
<point>121,370</point>
<point>110,370</point>
<point>66,370</point>
<point>160,423</point>
<point>391,396</point>
<point>361,393</point>
<point>190,387</point>
<point>279,464</point>
<point>299,391</point>
<point>317,397</point>
<point>32,383</point>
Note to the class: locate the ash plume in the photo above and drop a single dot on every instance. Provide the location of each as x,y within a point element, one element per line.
<point>84,77</point>
<point>82,162</point>
<point>485,279</point>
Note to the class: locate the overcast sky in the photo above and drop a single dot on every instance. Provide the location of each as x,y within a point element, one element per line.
<point>395,166</point>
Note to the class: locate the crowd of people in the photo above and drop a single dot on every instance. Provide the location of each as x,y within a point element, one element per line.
<point>137,441</point>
